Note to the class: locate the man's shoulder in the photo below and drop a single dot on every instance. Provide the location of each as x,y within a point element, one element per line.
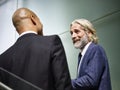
<point>51,37</point>
<point>95,47</point>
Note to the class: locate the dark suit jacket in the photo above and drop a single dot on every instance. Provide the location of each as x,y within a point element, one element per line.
<point>94,73</point>
<point>39,60</point>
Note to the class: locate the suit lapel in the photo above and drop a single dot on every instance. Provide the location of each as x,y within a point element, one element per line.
<point>86,59</point>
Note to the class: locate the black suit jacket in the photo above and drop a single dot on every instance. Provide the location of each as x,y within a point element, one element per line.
<point>94,72</point>
<point>40,60</point>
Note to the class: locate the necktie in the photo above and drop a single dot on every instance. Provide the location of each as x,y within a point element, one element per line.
<point>79,58</point>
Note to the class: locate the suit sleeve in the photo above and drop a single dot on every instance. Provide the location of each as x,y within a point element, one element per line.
<point>60,70</point>
<point>5,65</point>
<point>93,71</point>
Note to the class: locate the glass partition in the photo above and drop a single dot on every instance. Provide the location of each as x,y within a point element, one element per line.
<point>15,82</point>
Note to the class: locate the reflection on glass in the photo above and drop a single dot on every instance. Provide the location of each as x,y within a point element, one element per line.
<point>16,83</point>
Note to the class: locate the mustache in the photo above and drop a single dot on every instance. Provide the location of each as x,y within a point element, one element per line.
<point>77,40</point>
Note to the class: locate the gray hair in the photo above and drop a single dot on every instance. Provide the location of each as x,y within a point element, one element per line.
<point>87,27</point>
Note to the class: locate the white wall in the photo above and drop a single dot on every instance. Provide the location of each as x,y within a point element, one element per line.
<point>7,31</point>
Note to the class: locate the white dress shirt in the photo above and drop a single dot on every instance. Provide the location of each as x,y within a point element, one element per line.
<point>83,53</point>
<point>26,32</point>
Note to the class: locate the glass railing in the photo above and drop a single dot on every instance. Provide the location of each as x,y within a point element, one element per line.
<point>16,83</point>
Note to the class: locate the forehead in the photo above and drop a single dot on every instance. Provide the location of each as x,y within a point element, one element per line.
<point>76,26</point>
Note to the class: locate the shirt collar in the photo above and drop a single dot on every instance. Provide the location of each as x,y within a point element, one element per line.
<point>85,48</point>
<point>26,32</point>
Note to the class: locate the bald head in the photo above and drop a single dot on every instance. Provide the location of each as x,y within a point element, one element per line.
<point>24,19</point>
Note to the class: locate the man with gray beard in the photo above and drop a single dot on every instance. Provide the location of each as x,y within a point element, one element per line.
<point>93,69</point>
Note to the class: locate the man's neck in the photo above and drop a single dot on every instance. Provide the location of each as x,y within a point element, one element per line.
<point>81,49</point>
<point>85,48</point>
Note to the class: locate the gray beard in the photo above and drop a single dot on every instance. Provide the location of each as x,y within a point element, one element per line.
<point>81,44</point>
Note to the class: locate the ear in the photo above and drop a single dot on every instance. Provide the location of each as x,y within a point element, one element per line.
<point>88,32</point>
<point>33,20</point>
<point>40,32</point>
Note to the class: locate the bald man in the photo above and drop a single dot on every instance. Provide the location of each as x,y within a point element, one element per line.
<point>35,61</point>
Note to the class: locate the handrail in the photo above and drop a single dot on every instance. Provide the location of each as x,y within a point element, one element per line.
<point>19,78</point>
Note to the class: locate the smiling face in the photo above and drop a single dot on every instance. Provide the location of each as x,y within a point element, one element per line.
<point>79,35</point>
